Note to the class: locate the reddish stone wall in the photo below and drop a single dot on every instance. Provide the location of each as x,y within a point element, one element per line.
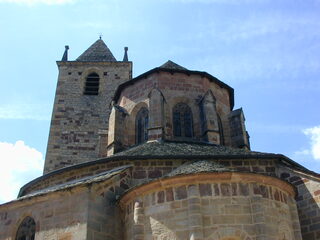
<point>175,88</point>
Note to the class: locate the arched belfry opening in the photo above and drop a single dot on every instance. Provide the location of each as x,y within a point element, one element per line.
<point>27,229</point>
<point>92,84</point>
<point>182,121</point>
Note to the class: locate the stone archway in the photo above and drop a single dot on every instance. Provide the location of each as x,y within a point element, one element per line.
<point>229,233</point>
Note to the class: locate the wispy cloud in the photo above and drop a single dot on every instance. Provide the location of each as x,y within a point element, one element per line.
<point>25,111</point>
<point>20,164</point>
<point>311,153</point>
<point>33,2</point>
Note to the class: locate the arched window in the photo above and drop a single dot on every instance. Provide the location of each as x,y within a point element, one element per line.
<point>142,122</point>
<point>92,84</point>
<point>182,121</point>
<point>27,229</point>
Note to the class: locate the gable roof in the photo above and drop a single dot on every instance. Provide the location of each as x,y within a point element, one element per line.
<point>97,52</point>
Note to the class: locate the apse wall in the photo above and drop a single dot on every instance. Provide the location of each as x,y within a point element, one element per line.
<point>212,206</point>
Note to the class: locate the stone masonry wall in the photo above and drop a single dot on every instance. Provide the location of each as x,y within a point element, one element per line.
<point>308,200</point>
<point>104,219</point>
<point>200,208</point>
<point>79,124</point>
<point>83,212</point>
<point>175,88</point>
<point>59,217</point>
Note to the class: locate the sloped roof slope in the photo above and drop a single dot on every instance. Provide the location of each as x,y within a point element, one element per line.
<point>97,52</point>
<point>172,65</point>
<point>175,148</point>
<point>198,167</point>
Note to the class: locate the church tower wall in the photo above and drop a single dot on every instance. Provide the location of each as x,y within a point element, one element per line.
<point>79,125</point>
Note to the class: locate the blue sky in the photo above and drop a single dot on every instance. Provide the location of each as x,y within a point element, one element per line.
<point>268,51</point>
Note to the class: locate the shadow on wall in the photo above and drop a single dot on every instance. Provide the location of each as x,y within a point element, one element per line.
<point>308,201</point>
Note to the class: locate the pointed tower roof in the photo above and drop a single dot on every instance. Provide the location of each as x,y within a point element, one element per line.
<point>97,52</point>
<point>171,65</point>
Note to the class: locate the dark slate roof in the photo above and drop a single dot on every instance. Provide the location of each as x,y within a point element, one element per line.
<point>172,65</point>
<point>198,167</point>
<point>182,149</point>
<point>81,181</point>
<point>97,52</point>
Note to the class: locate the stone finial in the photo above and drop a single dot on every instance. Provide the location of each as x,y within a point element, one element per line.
<point>65,54</point>
<point>125,57</point>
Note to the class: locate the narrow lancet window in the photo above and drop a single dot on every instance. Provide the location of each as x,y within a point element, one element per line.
<point>27,229</point>
<point>221,134</point>
<point>142,122</point>
<point>92,84</point>
<point>182,121</point>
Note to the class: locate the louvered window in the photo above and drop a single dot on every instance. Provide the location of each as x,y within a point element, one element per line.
<point>182,121</point>
<point>92,84</point>
<point>142,122</point>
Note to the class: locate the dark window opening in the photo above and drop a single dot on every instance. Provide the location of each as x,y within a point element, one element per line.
<point>221,134</point>
<point>142,122</point>
<point>27,229</point>
<point>92,84</point>
<point>182,121</point>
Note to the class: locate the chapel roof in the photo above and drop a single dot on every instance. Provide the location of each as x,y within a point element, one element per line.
<point>99,177</point>
<point>97,52</point>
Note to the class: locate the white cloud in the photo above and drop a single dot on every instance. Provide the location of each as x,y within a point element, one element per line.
<point>310,155</point>
<point>33,2</point>
<point>314,135</point>
<point>25,111</point>
<point>20,164</point>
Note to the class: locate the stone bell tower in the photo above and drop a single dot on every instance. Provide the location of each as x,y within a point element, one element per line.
<point>79,124</point>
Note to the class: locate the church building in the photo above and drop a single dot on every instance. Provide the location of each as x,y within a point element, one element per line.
<point>161,156</point>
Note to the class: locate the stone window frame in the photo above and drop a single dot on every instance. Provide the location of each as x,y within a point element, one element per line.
<point>141,125</point>
<point>182,121</point>
<point>92,84</point>
<point>26,229</point>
